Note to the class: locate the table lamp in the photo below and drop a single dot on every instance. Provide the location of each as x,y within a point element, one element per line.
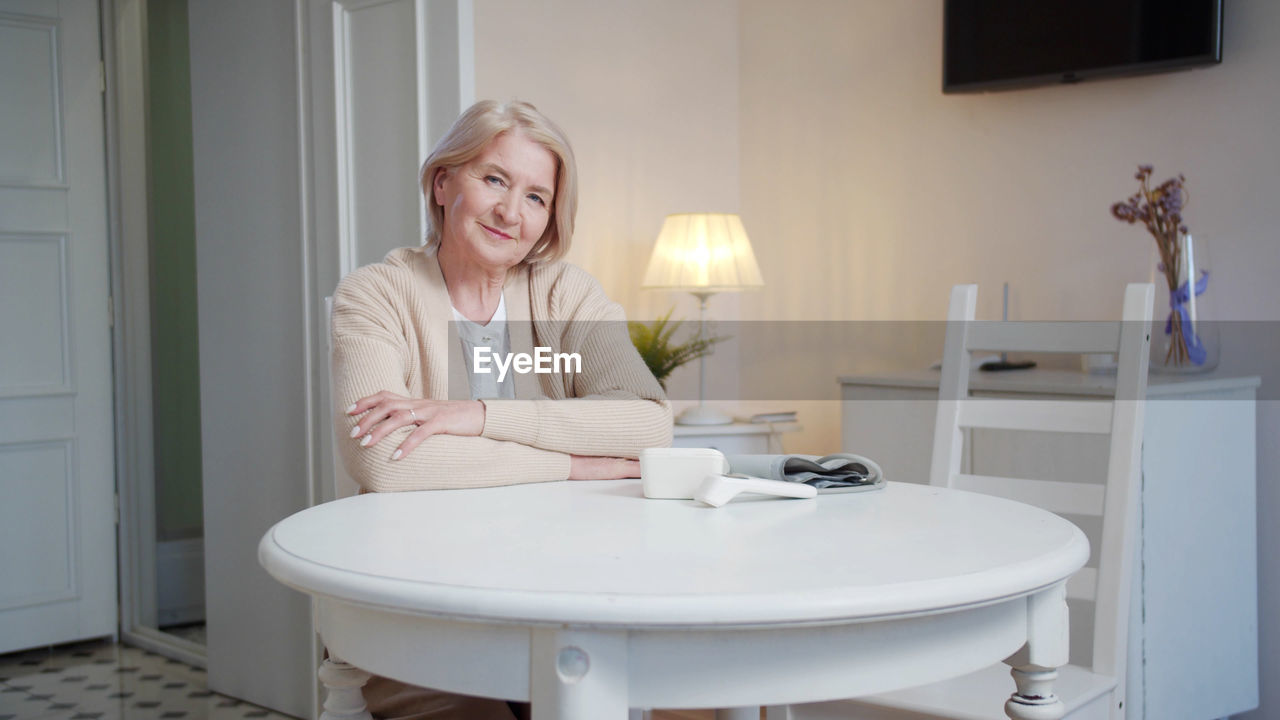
<point>704,254</point>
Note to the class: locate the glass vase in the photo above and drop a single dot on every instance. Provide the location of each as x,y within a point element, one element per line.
<point>1184,336</point>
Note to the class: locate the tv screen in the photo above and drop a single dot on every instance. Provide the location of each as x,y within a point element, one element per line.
<point>997,44</point>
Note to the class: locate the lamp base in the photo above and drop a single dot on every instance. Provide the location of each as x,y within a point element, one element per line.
<point>702,415</point>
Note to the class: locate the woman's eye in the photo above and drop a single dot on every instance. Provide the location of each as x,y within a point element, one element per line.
<point>493,180</point>
<point>537,199</point>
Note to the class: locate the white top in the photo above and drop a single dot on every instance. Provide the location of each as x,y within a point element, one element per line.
<point>494,336</point>
<point>1064,382</point>
<point>599,553</point>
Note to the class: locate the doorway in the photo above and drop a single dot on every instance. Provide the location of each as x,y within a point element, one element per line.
<point>162,528</point>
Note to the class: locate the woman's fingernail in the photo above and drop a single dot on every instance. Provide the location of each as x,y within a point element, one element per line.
<point>355,431</point>
<point>366,440</point>
<point>351,409</point>
<point>397,454</point>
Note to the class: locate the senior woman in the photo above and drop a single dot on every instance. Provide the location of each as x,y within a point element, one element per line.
<point>414,334</point>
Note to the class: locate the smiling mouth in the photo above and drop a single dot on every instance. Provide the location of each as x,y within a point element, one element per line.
<point>496,232</point>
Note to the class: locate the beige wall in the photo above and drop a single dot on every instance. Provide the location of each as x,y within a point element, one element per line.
<point>647,91</point>
<point>823,123</point>
<point>850,148</point>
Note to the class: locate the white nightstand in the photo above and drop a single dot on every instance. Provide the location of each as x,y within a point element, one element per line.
<point>739,438</point>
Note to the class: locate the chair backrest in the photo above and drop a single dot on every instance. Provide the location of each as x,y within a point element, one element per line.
<point>343,484</point>
<point>1116,499</point>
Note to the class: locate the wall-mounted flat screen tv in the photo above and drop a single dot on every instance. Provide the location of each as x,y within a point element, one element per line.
<point>999,44</point>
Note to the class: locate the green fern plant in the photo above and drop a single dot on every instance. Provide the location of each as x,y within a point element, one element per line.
<point>657,347</point>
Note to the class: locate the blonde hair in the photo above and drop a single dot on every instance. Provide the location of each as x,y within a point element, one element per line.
<point>471,133</point>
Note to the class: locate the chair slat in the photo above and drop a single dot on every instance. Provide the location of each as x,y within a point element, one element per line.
<point>1040,415</point>
<point>1052,495</point>
<point>1083,585</point>
<point>1044,337</point>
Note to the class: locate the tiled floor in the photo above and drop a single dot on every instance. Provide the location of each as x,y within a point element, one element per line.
<point>104,681</point>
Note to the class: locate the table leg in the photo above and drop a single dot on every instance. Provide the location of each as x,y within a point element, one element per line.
<point>344,696</point>
<point>578,675</point>
<point>1034,699</point>
<point>1035,666</point>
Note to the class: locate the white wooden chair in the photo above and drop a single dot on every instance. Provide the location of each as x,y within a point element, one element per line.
<point>1096,691</point>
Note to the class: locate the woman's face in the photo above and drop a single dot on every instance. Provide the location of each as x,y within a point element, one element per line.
<point>497,205</point>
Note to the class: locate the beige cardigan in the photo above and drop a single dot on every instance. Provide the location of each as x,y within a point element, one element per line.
<point>391,331</point>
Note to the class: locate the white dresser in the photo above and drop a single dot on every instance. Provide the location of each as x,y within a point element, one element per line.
<point>1193,646</point>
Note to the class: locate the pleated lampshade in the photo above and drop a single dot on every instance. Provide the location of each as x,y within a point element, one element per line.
<point>703,253</point>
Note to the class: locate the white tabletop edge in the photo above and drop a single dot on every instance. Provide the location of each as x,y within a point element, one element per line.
<point>663,611</point>
<point>654,619</point>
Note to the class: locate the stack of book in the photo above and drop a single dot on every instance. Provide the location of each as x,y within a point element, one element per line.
<point>787,416</point>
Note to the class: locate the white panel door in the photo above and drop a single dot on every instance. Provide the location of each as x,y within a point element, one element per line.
<point>57,507</point>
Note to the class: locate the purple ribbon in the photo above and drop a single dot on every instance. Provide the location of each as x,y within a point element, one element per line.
<point>1178,304</point>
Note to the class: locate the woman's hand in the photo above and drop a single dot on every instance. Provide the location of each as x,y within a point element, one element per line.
<point>387,412</point>
<point>582,467</point>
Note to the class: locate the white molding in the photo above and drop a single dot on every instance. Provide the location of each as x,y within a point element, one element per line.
<point>422,52</point>
<point>466,54</point>
<point>51,27</point>
<point>124,36</point>
<point>312,419</point>
<point>67,386</point>
<point>342,123</point>
<point>123,440</point>
<point>323,234</point>
<point>71,589</point>
<point>307,239</point>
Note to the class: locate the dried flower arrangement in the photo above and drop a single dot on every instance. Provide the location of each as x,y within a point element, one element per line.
<point>1160,209</point>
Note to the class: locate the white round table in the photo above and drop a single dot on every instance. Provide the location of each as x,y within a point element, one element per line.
<point>586,598</point>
